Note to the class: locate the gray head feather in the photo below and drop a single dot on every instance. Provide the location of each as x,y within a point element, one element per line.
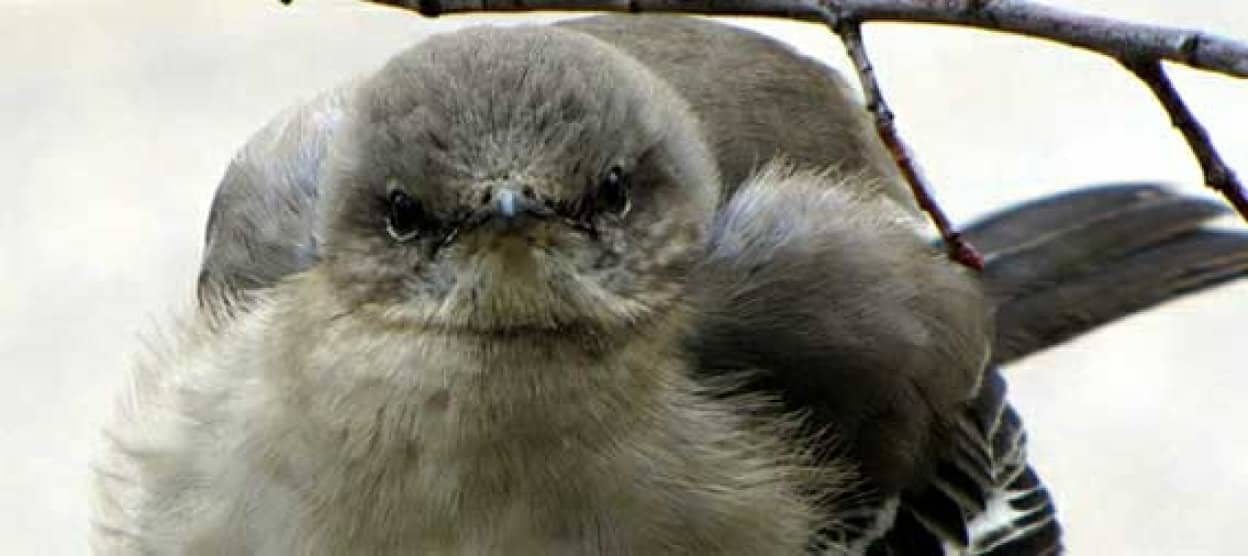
<point>471,128</point>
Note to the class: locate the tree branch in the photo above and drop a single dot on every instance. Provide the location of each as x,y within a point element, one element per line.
<point>1139,47</point>
<point>1112,37</point>
<point>851,34</point>
<point>1107,36</point>
<point>1218,175</point>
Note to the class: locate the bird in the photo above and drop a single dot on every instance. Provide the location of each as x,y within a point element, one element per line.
<point>622,284</point>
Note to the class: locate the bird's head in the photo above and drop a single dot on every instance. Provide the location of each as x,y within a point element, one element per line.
<point>516,180</point>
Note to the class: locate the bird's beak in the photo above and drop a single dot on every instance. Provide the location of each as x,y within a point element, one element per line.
<point>508,227</point>
<point>511,209</point>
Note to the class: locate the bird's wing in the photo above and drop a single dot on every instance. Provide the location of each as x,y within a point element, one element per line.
<point>851,318</point>
<point>784,295</point>
<point>1055,267</point>
<point>262,225</point>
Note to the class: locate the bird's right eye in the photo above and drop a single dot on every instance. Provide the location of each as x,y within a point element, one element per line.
<point>407,218</point>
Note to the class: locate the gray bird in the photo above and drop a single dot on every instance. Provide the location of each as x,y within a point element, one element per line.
<point>619,285</point>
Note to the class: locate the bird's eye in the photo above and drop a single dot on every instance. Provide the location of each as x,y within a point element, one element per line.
<point>407,218</point>
<point>612,195</point>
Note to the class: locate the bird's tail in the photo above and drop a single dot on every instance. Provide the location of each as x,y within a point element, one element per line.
<point>1064,265</point>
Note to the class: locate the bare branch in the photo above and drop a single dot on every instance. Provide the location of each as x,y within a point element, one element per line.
<point>1218,175</point>
<point>1112,37</point>
<point>791,9</point>
<point>959,249</point>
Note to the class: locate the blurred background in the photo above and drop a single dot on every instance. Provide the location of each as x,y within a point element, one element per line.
<point>117,118</point>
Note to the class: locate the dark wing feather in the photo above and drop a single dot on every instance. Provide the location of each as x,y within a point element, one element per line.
<point>1021,224</point>
<point>1067,264</point>
<point>982,497</point>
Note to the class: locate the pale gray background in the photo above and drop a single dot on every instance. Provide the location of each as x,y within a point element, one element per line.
<point>117,117</point>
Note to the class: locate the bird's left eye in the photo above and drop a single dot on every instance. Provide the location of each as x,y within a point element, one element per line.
<point>613,195</point>
<point>407,218</point>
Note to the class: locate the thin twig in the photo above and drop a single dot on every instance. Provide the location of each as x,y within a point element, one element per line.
<point>1218,175</point>
<point>851,34</point>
